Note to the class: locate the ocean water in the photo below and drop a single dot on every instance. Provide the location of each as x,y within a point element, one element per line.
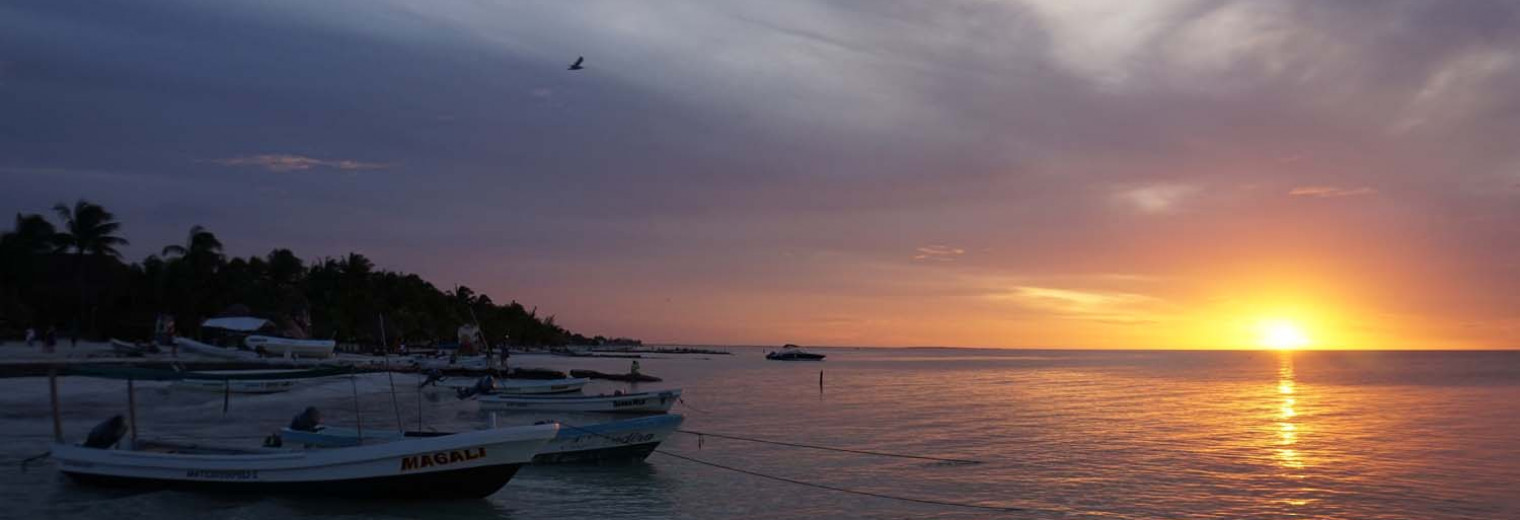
<point>1059,434</point>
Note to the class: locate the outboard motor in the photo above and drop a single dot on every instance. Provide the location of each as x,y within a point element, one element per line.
<point>484,386</point>
<point>307,421</point>
<point>106,434</point>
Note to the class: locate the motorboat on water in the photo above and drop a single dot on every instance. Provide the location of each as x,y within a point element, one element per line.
<point>465,465</point>
<point>282,347</point>
<point>637,402</point>
<point>522,386</point>
<point>273,384</point>
<point>129,349</point>
<point>205,349</point>
<point>624,440</point>
<point>791,352</point>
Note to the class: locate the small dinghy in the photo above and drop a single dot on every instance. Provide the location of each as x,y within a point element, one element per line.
<point>791,352</point>
<point>625,440</point>
<point>639,402</point>
<point>464,465</point>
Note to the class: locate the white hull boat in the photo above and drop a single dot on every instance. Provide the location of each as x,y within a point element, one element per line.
<point>525,386</point>
<point>283,347</point>
<point>628,439</point>
<point>464,465</point>
<point>639,402</point>
<point>240,386</point>
<point>196,347</point>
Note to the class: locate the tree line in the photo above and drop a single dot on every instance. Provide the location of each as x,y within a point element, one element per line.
<point>70,276</point>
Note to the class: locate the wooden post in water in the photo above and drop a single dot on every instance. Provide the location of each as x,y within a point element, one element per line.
<point>53,393</point>
<point>132,408</point>
<point>358,415</point>
<point>820,381</point>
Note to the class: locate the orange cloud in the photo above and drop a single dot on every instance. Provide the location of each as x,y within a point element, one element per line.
<point>1325,192</point>
<point>938,253</point>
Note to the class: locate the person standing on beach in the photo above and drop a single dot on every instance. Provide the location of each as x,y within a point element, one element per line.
<point>49,339</point>
<point>31,336</point>
<point>633,369</point>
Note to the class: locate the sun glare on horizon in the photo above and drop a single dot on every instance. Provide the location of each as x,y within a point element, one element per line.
<point>1281,335</point>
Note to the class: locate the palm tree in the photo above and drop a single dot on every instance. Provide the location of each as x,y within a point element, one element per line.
<point>199,261</point>
<point>32,235</point>
<point>201,247</point>
<point>88,230</point>
<point>22,250</point>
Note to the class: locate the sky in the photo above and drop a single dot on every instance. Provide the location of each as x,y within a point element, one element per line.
<point>1044,174</point>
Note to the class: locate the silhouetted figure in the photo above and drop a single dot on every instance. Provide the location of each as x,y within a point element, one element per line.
<point>577,64</point>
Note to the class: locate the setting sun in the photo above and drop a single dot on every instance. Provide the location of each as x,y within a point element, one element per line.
<point>1281,335</point>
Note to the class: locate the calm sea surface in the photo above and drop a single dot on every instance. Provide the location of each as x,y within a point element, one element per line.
<point>1061,434</point>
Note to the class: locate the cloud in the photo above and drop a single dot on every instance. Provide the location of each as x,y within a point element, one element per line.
<point>938,253</point>
<point>1330,191</point>
<point>288,162</point>
<point>1156,198</point>
<point>725,131</point>
<point>1105,306</point>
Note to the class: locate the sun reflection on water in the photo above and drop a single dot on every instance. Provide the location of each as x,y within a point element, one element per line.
<point>1288,456</point>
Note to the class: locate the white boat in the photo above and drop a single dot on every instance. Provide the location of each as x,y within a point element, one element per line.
<point>281,347</point>
<point>640,402</point>
<point>628,439</point>
<point>464,465</point>
<point>524,386</point>
<point>196,347</point>
<point>240,386</point>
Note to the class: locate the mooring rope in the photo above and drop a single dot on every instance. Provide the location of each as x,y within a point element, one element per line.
<point>843,490</point>
<point>805,483</point>
<point>683,402</point>
<point>26,461</point>
<point>828,448</point>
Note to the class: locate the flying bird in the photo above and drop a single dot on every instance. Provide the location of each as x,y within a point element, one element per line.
<point>577,64</point>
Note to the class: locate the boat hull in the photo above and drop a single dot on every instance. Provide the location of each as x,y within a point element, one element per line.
<point>527,386</point>
<point>452,484</point>
<point>794,356</point>
<point>196,347</point>
<point>616,441</point>
<point>642,402</point>
<point>280,347</point>
<point>471,464</point>
<point>538,386</point>
<point>626,440</point>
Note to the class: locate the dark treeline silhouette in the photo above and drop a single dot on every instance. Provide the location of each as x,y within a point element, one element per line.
<point>71,276</point>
